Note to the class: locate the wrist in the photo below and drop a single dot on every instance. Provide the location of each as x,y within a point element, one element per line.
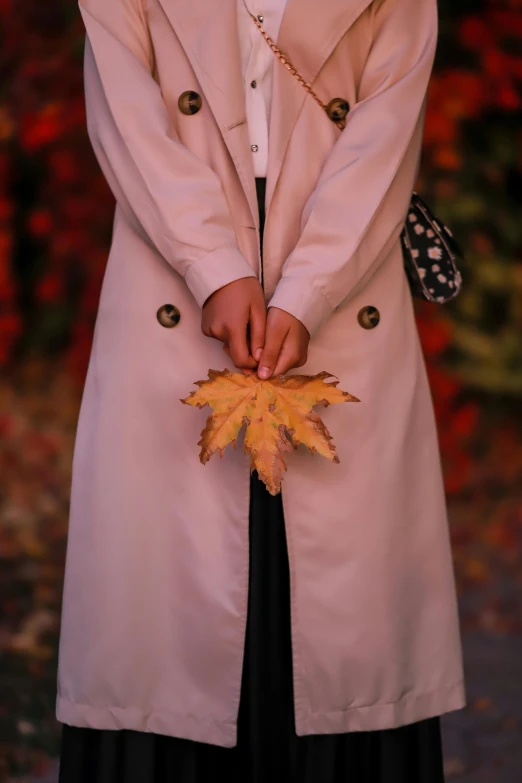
<point>306,303</point>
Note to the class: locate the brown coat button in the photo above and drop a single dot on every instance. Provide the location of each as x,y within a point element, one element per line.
<point>368,317</point>
<point>168,315</point>
<point>337,109</point>
<point>189,102</point>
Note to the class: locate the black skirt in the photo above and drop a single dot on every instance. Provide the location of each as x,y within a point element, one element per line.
<point>268,749</point>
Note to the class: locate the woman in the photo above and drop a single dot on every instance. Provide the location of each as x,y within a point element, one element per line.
<point>204,631</point>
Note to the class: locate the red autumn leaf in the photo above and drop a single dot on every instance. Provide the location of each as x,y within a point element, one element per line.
<point>465,420</point>
<point>435,335</point>
<point>474,33</point>
<point>40,222</point>
<point>50,289</point>
<point>508,98</point>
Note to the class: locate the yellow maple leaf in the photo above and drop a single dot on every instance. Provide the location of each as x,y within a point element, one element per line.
<point>278,414</point>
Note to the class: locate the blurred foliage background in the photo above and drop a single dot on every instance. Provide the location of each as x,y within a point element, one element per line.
<point>55,227</point>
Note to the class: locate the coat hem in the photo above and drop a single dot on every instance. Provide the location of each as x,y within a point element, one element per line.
<point>183,726</point>
<point>382,716</point>
<point>409,709</point>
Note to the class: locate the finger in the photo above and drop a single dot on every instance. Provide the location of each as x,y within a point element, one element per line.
<point>215,330</point>
<point>257,331</point>
<point>274,339</point>
<point>244,370</point>
<point>289,357</point>
<point>237,343</point>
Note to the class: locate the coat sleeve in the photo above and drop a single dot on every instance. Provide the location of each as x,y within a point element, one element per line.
<point>358,207</point>
<point>171,196</point>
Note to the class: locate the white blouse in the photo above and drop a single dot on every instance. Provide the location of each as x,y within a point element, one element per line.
<point>257,62</point>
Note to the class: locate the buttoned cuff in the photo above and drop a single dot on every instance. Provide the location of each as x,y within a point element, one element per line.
<point>216,269</point>
<point>299,298</point>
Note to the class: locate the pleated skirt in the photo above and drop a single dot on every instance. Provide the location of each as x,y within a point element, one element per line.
<point>268,749</point>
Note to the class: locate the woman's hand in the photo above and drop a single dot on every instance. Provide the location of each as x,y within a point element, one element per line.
<point>286,344</point>
<point>236,315</point>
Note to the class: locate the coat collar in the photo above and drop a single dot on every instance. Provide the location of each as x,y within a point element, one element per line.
<point>207,30</point>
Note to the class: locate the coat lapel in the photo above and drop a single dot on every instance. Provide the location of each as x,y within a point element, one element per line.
<point>207,30</point>
<point>308,35</point>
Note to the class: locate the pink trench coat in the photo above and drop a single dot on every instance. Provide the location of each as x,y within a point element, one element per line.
<point>155,594</point>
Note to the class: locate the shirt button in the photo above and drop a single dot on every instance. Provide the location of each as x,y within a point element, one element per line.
<point>253,83</point>
<point>254,147</point>
<point>260,18</point>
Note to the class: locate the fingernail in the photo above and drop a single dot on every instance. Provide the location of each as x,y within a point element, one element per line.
<point>257,354</point>
<point>264,372</point>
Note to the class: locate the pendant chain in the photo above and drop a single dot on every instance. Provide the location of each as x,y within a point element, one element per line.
<point>284,60</point>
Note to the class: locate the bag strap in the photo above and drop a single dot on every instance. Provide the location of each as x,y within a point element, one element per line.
<point>340,122</point>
